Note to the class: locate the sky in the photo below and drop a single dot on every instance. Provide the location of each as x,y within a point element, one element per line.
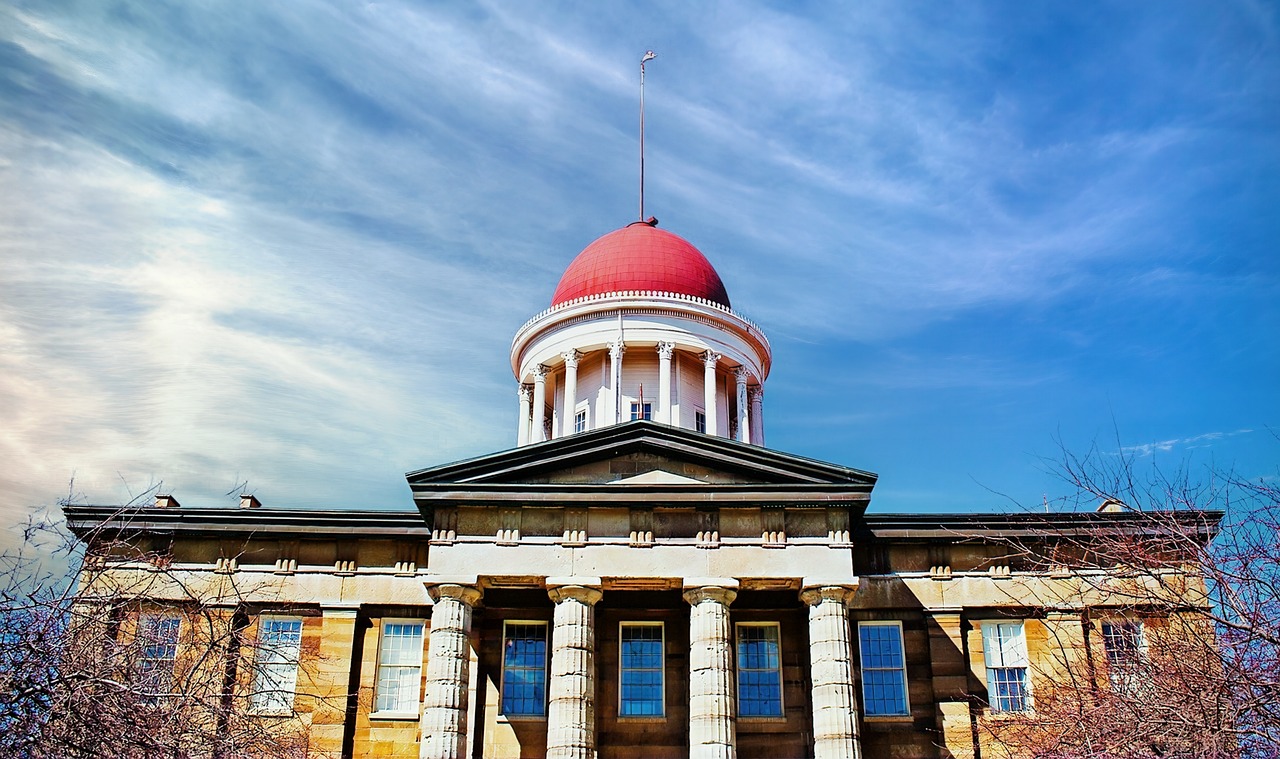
<point>283,247</point>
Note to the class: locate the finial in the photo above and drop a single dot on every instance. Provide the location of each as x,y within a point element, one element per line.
<point>648,56</point>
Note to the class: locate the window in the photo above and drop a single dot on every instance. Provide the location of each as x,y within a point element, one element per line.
<point>641,411</point>
<point>159,639</point>
<point>580,421</point>
<point>700,421</point>
<point>524,669</point>
<point>1126,650</point>
<point>275,672</point>
<point>641,659</point>
<point>884,669</point>
<point>759,671</point>
<point>1005,650</point>
<point>399,666</point>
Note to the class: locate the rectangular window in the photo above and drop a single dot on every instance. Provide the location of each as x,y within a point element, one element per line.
<point>641,661</point>
<point>641,411</point>
<point>700,421</point>
<point>275,670</point>
<point>759,671</point>
<point>884,669</point>
<point>580,421</point>
<point>159,639</point>
<point>1005,651</point>
<point>1126,650</point>
<point>524,669</point>
<point>400,667</point>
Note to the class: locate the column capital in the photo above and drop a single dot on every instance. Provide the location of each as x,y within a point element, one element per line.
<point>710,359</point>
<point>539,372</point>
<point>666,350</point>
<point>586,594</point>
<point>816,594</point>
<point>617,348</point>
<point>525,391</point>
<point>742,374</point>
<point>755,392</point>
<point>468,594</point>
<point>720,590</point>
<point>571,358</point>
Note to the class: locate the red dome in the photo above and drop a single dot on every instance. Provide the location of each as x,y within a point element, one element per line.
<point>640,257</point>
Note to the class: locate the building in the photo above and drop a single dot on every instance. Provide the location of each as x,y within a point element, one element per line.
<point>640,576</point>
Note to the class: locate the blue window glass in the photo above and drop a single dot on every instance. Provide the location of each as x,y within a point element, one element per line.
<point>641,411</point>
<point>524,669</point>
<point>1005,651</point>
<point>884,669</point>
<point>759,671</point>
<point>641,660</point>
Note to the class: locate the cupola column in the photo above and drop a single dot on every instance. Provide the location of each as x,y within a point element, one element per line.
<point>539,431</point>
<point>712,710</point>
<point>570,390</point>
<point>835,707</point>
<point>710,360</point>
<point>756,396</point>
<point>616,349</point>
<point>444,708</point>
<point>665,352</point>
<point>744,417</point>
<point>571,715</point>
<point>526,407</point>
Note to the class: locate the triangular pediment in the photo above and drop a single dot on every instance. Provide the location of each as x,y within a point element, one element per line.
<point>625,460</point>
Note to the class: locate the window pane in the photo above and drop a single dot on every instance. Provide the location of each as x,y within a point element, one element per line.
<point>159,637</point>
<point>759,671</point>
<point>884,685</point>
<point>641,660</point>
<point>1007,688</point>
<point>1005,651</point>
<point>524,669</point>
<point>275,675</point>
<point>399,667</point>
<point>1123,641</point>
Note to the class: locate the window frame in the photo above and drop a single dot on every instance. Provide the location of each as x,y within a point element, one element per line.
<point>862,669</point>
<point>256,692</point>
<point>737,653</point>
<point>662,670</point>
<point>699,415</point>
<point>994,702</point>
<point>546,661</point>
<point>414,713</point>
<point>147,625</point>
<point>641,410</point>
<point>581,416</point>
<point>1124,665</point>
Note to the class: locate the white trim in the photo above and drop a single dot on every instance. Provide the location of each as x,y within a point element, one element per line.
<point>1021,651</point>
<point>378,664</point>
<point>265,709</point>
<point>902,645</point>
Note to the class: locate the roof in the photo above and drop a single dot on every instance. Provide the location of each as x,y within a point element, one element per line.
<point>641,257</point>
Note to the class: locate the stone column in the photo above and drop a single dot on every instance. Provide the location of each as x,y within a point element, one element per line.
<point>538,433</point>
<point>744,418</point>
<point>570,390</point>
<point>526,407</point>
<point>755,395</point>
<point>665,352</point>
<point>712,710</point>
<point>444,708</point>
<point>616,349</point>
<point>835,707</point>
<point>710,360</point>
<point>571,714</point>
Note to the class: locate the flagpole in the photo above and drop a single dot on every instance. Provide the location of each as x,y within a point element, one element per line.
<point>648,56</point>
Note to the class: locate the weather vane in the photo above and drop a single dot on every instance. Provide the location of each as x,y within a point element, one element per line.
<point>648,56</point>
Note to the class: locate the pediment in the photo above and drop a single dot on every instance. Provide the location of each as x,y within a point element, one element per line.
<point>640,456</point>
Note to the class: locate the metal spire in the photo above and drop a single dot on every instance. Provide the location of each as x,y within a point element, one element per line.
<point>648,56</point>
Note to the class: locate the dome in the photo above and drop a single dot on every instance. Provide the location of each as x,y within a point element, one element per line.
<point>641,257</point>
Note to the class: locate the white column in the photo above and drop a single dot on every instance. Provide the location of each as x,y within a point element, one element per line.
<point>835,708</point>
<point>570,390</point>
<point>712,710</point>
<point>571,714</point>
<point>444,708</point>
<point>744,418</point>
<point>526,406</point>
<point>710,360</point>
<point>538,432</point>
<point>756,396</point>
<point>665,352</point>
<point>616,349</point>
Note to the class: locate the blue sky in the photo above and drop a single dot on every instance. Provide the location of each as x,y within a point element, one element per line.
<point>288,244</point>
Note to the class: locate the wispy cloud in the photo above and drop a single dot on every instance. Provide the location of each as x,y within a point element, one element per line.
<point>1206,440</point>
